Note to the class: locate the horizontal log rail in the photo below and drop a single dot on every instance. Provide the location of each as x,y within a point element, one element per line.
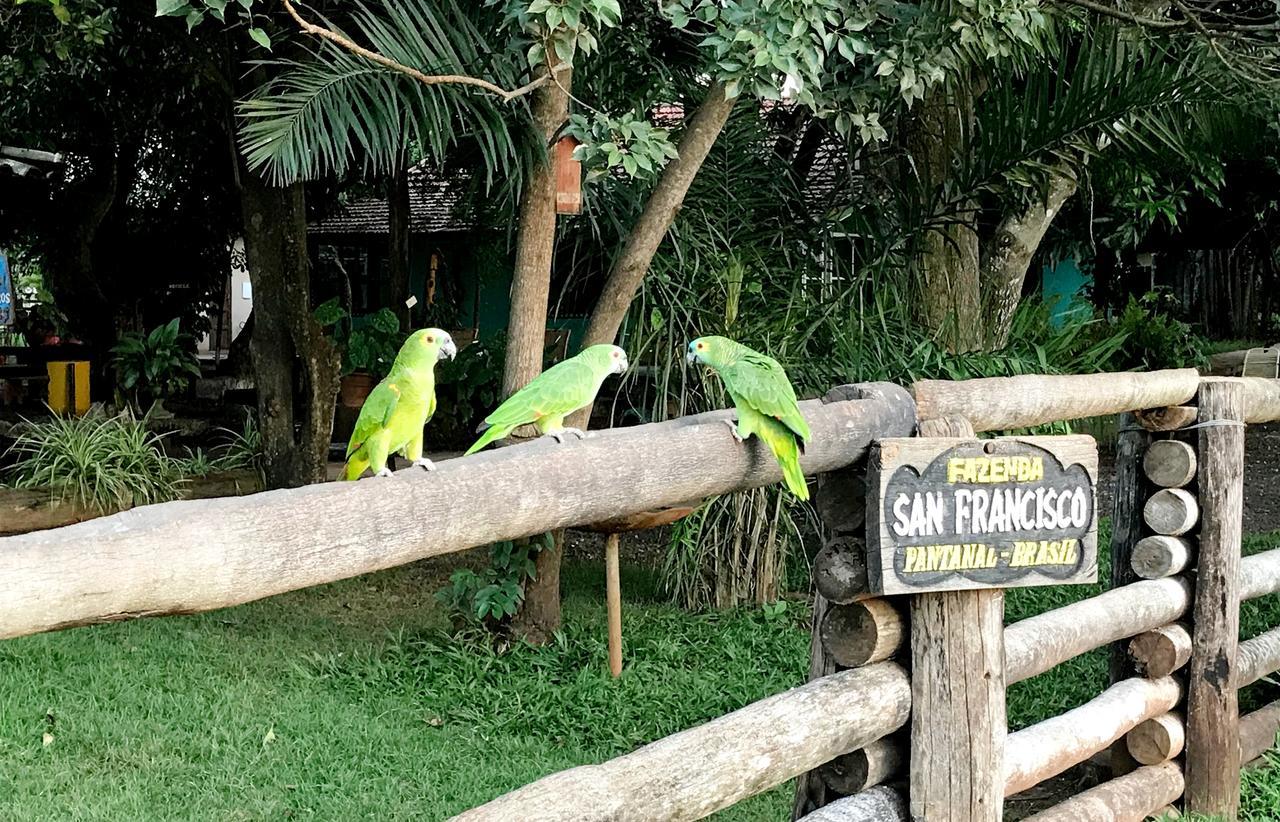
<point>184,557</point>
<point>1048,748</point>
<point>1136,795</point>
<point>1257,657</point>
<point>1258,731</point>
<point>881,804</point>
<point>1002,403</point>
<point>696,772</point>
<point>1260,574</point>
<point>1036,644</point>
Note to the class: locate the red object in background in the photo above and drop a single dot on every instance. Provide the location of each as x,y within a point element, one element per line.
<point>568,177</point>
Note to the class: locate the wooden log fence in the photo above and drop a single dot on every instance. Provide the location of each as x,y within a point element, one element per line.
<point>842,733</point>
<point>225,552</point>
<point>696,772</point>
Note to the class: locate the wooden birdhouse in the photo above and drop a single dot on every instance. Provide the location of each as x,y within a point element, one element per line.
<point>568,177</point>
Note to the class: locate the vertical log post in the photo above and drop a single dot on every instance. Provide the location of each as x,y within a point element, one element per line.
<point>840,501</point>
<point>958,724</point>
<point>1213,729</point>
<point>1131,491</point>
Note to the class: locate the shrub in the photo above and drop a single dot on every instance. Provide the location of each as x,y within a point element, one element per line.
<point>104,463</point>
<point>156,365</point>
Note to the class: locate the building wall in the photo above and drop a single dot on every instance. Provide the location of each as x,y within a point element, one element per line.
<point>239,299</point>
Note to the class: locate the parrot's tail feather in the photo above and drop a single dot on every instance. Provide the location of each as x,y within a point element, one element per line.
<point>492,433</point>
<point>786,447</point>
<point>355,467</point>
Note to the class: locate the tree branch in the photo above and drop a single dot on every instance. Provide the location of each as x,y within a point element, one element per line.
<point>426,79</point>
<point>1190,20</point>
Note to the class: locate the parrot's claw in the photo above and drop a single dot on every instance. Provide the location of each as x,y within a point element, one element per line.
<point>733,428</point>
<point>385,472</point>
<point>424,463</point>
<point>577,432</point>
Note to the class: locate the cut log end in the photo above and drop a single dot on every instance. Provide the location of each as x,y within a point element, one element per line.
<point>1171,512</point>
<point>1159,556</point>
<point>864,768</point>
<point>1168,418</point>
<point>840,570</point>
<point>863,632</point>
<point>1170,463</point>
<point>1157,740</point>
<point>1162,651</point>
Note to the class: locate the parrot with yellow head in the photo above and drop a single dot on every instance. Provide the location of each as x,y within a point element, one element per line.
<point>398,408</point>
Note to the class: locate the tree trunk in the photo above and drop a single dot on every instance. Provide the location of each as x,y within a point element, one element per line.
<point>539,616</point>
<point>1008,254</point>
<point>631,266</point>
<point>659,212</point>
<point>535,244</point>
<point>398,244</point>
<point>946,263</point>
<point>295,365</point>
<point>76,285</point>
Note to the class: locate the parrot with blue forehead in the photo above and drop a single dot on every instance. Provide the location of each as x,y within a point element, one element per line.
<point>764,400</point>
<point>553,395</point>
<point>398,408</point>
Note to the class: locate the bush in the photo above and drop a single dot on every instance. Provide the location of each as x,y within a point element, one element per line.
<point>104,463</point>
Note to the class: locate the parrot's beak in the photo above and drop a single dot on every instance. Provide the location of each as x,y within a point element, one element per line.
<point>448,350</point>
<point>621,367</point>
<point>691,357</point>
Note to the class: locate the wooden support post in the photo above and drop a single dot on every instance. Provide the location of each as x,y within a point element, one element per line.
<point>1213,733</point>
<point>1131,490</point>
<point>958,722</point>
<point>613,599</point>
<point>840,574</point>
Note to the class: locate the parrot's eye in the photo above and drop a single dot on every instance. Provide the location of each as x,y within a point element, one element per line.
<point>431,339</point>
<point>699,346</point>
<point>615,355</point>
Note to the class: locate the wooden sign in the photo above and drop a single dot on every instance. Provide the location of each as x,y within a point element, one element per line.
<point>949,514</point>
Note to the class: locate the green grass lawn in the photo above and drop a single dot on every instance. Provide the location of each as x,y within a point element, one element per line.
<point>347,702</point>
<point>351,701</point>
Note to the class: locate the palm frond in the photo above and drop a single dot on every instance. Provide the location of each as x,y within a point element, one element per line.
<point>333,110</point>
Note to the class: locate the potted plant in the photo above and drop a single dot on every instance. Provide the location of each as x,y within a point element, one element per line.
<point>155,365</point>
<point>368,344</point>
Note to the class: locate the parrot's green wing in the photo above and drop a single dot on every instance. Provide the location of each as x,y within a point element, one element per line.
<point>564,387</point>
<point>374,414</point>
<point>759,382</point>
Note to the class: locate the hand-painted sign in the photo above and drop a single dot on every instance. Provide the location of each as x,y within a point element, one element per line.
<point>948,514</point>
<point>8,308</point>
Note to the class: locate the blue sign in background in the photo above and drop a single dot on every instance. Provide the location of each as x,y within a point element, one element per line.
<point>7,309</point>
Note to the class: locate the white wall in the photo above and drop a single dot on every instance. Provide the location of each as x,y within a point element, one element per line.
<point>241,297</point>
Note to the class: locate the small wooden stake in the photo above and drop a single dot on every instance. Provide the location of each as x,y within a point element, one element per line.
<point>1162,651</point>
<point>1213,730</point>
<point>1170,463</point>
<point>1171,511</point>
<point>613,599</point>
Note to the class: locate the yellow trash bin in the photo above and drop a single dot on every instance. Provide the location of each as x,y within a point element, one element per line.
<point>69,387</point>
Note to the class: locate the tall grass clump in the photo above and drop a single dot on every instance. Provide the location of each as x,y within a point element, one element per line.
<point>99,462</point>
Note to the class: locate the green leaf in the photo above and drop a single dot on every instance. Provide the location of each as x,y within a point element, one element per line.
<point>172,8</point>
<point>260,37</point>
<point>62,13</point>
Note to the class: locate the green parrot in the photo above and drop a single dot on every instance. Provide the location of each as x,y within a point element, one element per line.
<point>764,400</point>
<point>398,408</point>
<point>554,394</point>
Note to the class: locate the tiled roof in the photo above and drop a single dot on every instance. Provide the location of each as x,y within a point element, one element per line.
<point>437,203</point>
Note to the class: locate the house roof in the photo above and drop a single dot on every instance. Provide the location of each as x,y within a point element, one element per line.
<point>437,203</point>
